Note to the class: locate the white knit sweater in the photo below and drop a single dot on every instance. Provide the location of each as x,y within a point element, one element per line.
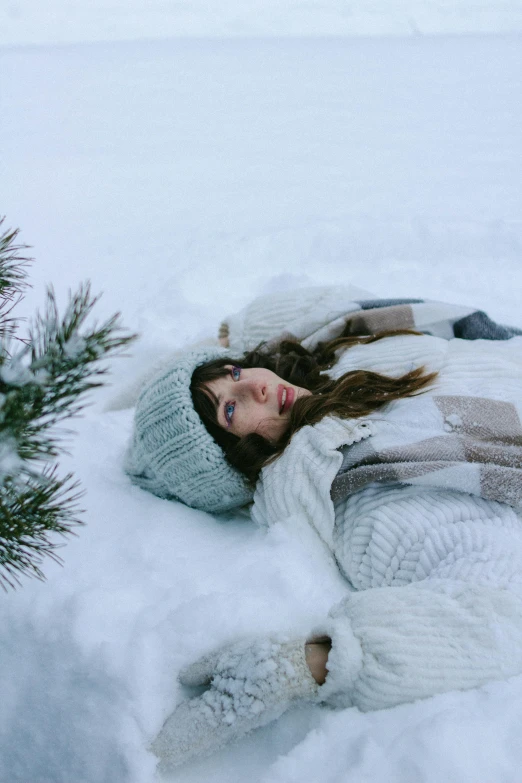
<point>437,574</point>
<point>309,314</point>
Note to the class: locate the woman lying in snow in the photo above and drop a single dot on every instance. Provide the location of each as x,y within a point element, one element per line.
<point>402,450</point>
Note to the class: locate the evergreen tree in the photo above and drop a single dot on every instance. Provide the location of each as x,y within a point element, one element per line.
<point>43,381</point>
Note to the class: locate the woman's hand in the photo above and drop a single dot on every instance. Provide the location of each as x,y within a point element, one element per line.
<point>316,655</point>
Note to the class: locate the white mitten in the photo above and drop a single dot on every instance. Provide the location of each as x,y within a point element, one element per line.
<point>251,683</point>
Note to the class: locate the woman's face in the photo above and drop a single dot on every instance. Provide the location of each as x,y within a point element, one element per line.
<point>254,400</point>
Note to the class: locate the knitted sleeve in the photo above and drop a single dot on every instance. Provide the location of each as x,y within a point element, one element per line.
<point>393,645</point>
<point>320,313</point>
<point>300,312</point>
<point>438,601</point>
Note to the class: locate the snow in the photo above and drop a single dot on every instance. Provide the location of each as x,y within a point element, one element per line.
<point>454,421</point>
<point>73,21</point>
<point>9,460</point>
<point>75,346</point>
<point>185,177</point>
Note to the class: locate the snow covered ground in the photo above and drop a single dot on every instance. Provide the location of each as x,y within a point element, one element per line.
<point>185,177</point>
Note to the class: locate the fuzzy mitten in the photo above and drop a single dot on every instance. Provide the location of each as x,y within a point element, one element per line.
<point>250,684</point>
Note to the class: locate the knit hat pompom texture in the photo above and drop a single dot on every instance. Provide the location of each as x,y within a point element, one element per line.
<point>171,453</point>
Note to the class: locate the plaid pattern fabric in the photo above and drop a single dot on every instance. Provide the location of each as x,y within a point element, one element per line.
<point>321,313</point>
<point>469,444</point>
<point>434,318</point>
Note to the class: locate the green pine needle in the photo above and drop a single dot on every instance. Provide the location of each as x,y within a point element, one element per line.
<point>42,383</point>
<point>13,279</point>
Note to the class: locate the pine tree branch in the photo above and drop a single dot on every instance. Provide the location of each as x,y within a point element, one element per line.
<point>13,279</point>
<point>13,274</point>
<point>42,384</point>
<point>31,509</point>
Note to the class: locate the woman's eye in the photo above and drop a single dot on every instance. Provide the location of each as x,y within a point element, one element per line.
<point>236,373</point>
<point>229,410</point>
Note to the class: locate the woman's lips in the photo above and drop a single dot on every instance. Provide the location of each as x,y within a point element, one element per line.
<point>285,400</point>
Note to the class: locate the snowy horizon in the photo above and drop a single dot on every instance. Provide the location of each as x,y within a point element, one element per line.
<point>29,22</point>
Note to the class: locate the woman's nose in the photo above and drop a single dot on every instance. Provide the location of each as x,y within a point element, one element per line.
<point>256,389</point>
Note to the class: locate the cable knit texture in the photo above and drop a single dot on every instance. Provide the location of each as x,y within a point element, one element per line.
<point>299,482</point>
<point>424,639</point>
<point>321,313</point>
<point>171,453</point>
<point>392,536</point>
<point>436,574</point>
<point>251,684</point>
<point>298,312</point>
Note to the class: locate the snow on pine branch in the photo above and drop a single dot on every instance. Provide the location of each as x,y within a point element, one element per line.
<point>43,381</point>
<point>13,278</point>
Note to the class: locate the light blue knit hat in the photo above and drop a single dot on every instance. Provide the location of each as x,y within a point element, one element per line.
<point>171,452</point>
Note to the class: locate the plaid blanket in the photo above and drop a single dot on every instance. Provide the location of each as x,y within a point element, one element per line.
<point>320,313</point>
<point>430,317</point>
<point>478,448</point>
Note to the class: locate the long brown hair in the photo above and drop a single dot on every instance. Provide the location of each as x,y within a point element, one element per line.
<point>355,394</point>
